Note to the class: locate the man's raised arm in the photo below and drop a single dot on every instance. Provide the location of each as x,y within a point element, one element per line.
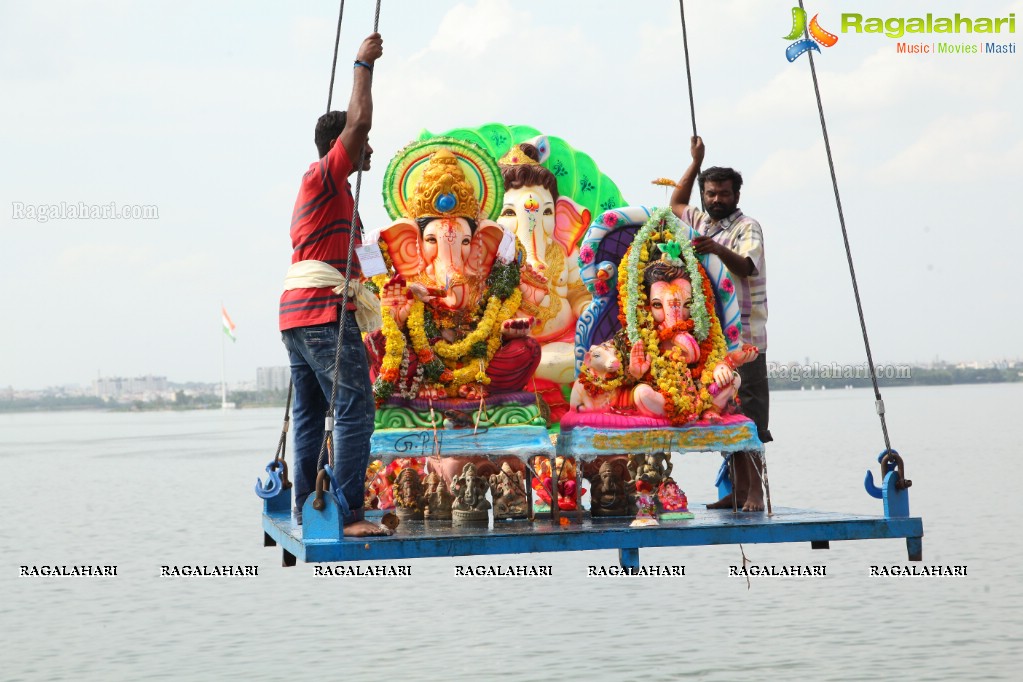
<point>684,187</point>
<point>360,106</point>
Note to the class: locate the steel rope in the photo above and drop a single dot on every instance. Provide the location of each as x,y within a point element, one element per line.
<point>283,442</point>
<point>878,402</point>
<point>333,66</point>
<point>689,77</point>
<point>329,419</point>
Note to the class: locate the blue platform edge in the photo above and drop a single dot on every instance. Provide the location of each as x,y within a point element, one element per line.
<point>718,527</point>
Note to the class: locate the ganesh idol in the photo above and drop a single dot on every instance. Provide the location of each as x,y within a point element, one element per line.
<point>670,360</point>
<point>453,324</point>
<point>548,226</point>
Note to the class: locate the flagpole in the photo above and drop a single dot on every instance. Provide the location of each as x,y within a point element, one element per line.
<point>223,368</point>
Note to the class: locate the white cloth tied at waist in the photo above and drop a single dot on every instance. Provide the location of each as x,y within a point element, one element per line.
<point>315,274</point>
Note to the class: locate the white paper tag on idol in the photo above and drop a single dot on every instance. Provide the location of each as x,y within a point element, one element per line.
<point>371,259</point>
<point>506,250</point>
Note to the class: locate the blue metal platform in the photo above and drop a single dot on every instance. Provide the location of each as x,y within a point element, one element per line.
<point>710,527</point>
<point>321,539</point>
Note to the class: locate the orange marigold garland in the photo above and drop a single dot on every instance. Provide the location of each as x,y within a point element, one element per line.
<point>595,385</point>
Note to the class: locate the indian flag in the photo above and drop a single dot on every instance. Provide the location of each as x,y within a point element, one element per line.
<point>228,324</point>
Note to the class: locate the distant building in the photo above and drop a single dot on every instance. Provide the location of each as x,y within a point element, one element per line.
<point>272,378</point>
<point>135,388</point>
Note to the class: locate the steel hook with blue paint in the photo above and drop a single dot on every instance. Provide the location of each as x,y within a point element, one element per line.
<point>276,481</point>
<point>893,491</point>
<point>890,461</point>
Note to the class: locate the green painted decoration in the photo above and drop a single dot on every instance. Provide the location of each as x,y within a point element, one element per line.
<point>399,417</point>
<point>578,176</point>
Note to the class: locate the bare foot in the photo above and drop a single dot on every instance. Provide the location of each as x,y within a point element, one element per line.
<point>755,492</point>
<point>364,529</point>
<point>754,500</point>
<point>725,503</point>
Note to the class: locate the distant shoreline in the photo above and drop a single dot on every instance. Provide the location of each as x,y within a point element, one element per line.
<point>822,378</point>
<point>254,399</point>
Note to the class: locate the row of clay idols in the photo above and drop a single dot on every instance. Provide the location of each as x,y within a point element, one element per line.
<point>620,486</point>
<point>623,485</point>
<point>464,500</point>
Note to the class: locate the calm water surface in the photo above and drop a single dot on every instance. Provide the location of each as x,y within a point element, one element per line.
<point>141,490</point>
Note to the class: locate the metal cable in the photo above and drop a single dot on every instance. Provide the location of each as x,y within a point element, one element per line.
<point>347,283</point>
<point>283,442</point>
<point>333,66</point>
<point>689,77</point>
<point>879,403</point>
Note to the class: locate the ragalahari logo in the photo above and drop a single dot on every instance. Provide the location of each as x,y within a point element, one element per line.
<point>817,35</point>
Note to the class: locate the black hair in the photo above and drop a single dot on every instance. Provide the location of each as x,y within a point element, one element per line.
<point>719,174</point>
<point>423,222</point>
<point>661,271</point>
<point>329,127</point>
<point>522,175</point>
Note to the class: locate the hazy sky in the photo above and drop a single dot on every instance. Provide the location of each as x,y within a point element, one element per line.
<point>206,110</point>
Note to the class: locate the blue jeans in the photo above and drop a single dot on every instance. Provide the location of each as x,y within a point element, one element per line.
<point>311,351</point>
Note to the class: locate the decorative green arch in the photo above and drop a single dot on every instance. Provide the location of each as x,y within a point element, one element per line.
<point>578,176</point>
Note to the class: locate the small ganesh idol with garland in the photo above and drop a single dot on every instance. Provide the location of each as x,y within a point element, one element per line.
<point>452,326</point>
<point>678,367</point>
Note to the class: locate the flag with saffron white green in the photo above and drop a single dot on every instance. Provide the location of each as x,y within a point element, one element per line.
<point>228,324</point>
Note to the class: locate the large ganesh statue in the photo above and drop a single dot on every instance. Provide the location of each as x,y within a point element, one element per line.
<point>551,190</point>
<point>452,326</point>
<point>454,358</point>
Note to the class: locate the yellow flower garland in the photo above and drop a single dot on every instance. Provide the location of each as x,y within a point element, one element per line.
<point>453,351</point>
<point>394,346</point>
<point>488,329</point>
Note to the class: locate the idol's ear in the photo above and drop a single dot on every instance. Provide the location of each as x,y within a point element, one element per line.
<point>570,222</point>
<point>485,244</point>
<point>543,146</point>
<point>405,247</point>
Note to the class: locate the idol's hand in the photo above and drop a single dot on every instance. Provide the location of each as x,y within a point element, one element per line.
<point>420,292</point>
<point>723,374</point>
<point>639,361</point>
<point>517,327</point>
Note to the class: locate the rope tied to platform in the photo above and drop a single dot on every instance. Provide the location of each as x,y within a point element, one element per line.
<point>878,402</point>
<point>762,455</point>
<point>277,469</point>
<point>326,447</point>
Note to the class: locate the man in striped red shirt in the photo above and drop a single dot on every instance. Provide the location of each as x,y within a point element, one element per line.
<point>321,228</point>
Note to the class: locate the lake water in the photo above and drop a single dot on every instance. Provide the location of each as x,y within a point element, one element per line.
<point>144,489</point>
